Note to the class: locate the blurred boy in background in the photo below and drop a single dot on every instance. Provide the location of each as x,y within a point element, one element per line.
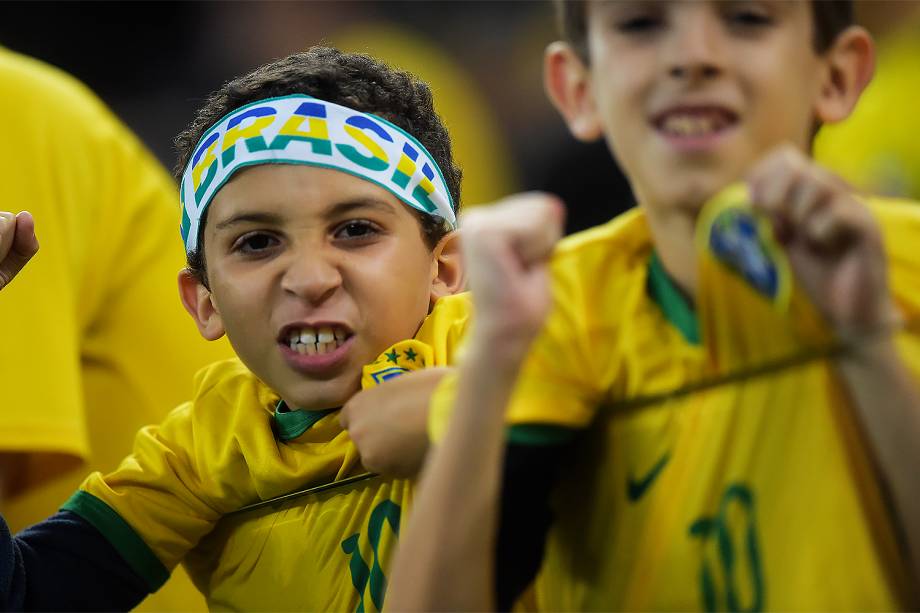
<point>702,484</point>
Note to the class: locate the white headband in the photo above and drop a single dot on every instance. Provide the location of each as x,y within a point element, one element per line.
<point>300,129</point>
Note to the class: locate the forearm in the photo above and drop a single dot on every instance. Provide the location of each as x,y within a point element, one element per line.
<point>887,399</point>
<point>446,555</point>
<point>64,564</point>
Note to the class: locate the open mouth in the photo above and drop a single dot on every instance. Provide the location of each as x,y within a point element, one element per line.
<point>694,122</point>
<point>314,340</point>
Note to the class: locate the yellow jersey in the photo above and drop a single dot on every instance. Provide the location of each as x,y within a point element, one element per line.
<point>96,344</point>
<point>329,551</point>
<point>757,494</point>
<point>236,444</point>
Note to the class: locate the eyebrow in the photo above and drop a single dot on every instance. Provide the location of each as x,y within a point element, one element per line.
<point>348,206</point>
<point>260,218</point>
<point>335,210</point>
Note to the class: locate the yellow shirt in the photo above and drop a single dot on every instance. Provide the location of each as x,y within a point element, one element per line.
<point>756,495</point>
<point>230,447</point>
<point>95,341</point>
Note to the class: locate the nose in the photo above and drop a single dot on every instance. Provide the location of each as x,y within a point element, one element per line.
<point>694,49</point>
<point>312,275</point>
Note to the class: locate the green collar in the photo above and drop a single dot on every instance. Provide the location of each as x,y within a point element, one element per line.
<point>677,309</point>
<point>288,424</point>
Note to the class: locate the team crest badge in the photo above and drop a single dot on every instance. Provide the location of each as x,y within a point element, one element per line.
<point>398,359</point>
<point>742,240</point>
<point>386,374</point>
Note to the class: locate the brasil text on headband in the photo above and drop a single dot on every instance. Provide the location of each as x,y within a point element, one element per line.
<point>300,129</point>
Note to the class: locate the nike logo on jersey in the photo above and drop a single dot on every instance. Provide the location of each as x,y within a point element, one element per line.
<point>636,488</point>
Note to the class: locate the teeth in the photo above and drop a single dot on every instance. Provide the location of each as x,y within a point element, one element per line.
<point>692,125</point>
<point>325,335</point>
<point>312,341</point>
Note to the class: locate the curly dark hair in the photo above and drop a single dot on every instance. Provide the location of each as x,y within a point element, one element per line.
<point>356,81</point>
<point>831,17</point>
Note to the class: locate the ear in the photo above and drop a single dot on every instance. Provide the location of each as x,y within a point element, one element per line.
<point>197,300</point>
<point>568,85</point>
<point>850,65</point>
<point>448,275</point>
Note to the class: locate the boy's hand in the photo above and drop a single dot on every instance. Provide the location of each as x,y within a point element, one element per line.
<point>506,246</point>
<point>833,243</point>
<point>389,423</point>
<point>17,244</point>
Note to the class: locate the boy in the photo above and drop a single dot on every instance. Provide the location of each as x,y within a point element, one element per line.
<point>299,206</point>
<point>789,491</point>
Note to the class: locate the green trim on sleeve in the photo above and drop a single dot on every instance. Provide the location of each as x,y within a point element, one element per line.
<point>121,535</point>
<point>539,434</point>
<point>677,309</point>
<point>288,424</point>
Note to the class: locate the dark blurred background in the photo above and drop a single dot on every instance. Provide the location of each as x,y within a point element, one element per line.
<point>154,62</point>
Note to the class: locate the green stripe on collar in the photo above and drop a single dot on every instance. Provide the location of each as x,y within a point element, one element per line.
<point>675,306</point>
<point>288,424</point>
<point>121,535</point>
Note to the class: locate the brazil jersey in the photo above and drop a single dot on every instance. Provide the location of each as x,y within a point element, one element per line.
<point>236,444</point>
<point>329,551</point>
<point>751,495</point>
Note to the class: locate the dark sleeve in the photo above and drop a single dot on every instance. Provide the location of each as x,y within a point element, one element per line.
<point>64,564</point>
<point>530,473</point>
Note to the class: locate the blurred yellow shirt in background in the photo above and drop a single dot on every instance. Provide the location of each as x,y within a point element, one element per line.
<point>95,343</point>
<point>877,148</point>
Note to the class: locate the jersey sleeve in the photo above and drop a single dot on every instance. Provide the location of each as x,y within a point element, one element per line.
<point>159,502</point>
<point>558,385</point>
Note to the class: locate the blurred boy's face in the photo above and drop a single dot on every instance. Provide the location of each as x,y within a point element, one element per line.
<point>689,94</point>
<point>313,273</point>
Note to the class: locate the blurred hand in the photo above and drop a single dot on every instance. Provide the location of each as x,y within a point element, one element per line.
<point>506,247</point>
<point>389,423</point>
<point>17,244</point>
<point>833,242</point>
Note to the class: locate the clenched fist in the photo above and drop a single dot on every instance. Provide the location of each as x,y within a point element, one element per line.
<point>17,244</point>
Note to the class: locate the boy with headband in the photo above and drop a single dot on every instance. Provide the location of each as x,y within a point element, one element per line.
<point>319,199</point>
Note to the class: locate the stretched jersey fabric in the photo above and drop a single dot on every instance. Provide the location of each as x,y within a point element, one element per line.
<point>329,551</point>
<point>235,444</point>
<point>101,345</point>
<point>757,494</point>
